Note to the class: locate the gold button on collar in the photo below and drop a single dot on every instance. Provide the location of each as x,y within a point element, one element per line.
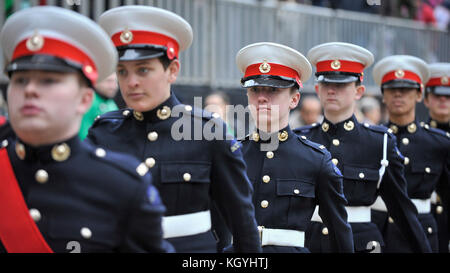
<point>412,128</point>
<point>138,115</point>
<point>60,152</point>
<point>325,126</point>
<point>163,113</point>
<point>283,136</point>
<point>394,128</point>
<point>349,125</point>
<point>20,150</point>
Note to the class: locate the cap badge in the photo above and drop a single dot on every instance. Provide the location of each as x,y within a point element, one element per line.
<point>336,64</point>
<point>399,73</point>
<point>264,67</point>
<point>35,42</point>
<point>444,80</point>
<point>126,36</point>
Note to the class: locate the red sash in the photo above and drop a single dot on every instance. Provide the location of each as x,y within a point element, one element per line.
<point>18,231</point>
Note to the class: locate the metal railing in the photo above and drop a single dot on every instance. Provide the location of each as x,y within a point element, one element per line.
<point>222,27</point>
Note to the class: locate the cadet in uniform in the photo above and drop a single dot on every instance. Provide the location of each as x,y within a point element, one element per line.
<point>437,100</point>
<point>367,155</point>
<point>425,149</point>
<point>192,173</point>
<point>285,193</point>
<point>57,193</point>
<point>437,96</point>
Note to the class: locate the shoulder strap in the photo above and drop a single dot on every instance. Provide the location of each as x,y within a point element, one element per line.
<point>18,231</point>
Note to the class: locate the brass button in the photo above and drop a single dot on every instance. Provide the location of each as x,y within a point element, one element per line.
<point>439,209</point>
<point>296,191</point>
<point>269,155</point>
<point>187,177</point>
<point>20,150</point>
<point>394,128</point>
<point>406,161</point>
<point>430,230</point>
<point>86,233</point>
<point>264,204</point>
<point>60,152</point>
<point>152,136</point>
<point>427,170</point>
<point>412,128</point>
<point>163,113</point>
<point>336,142</point>
<point>142,169</point>
<point>390,220</point>
<point>100,152</point>
<point>335,161</point>
<point>4,143</point>
<point>41,176</point>
<point>126,113</point>
<point>405,141</point>
<point>325,231</point>
<point>255,137</point>
<point>349,125</point>
<point>361,175</point>
<point>283,136</point>
<point>150,162</point>
<point>325,126</point>
<point>138,116</point>
<point>266,179</point>
<point>35,215</point>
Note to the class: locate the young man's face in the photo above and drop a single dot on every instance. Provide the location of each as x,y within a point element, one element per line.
<point>45,107</point>
<point>401,101</point>
<point>338,97</point>
<point>145,84</point>
<point>439,106</point>
<point>270,106</point>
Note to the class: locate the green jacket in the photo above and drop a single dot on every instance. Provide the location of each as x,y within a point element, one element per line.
<point>100,105</point>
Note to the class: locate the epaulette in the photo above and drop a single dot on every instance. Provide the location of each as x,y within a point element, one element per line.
<point>120,161</point>
<point>436,131</point>
<point>379,129</point>
<point>316,146</point>
<point>305,129</point>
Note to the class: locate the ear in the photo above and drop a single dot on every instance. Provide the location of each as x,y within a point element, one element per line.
<point>173,70</point>
<point>360,89</point>
<point>295,98</point>
<point>87,96</point>
<point>419,94</point>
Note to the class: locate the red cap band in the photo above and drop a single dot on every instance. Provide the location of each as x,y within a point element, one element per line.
<point>136,37</point>
<point>401,74</point>
<point>60,49</point>
<point>274,70</point>
<point>339,65</point>
<point>441,81</point>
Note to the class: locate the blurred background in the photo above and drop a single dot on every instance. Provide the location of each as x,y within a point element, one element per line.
<point>222,27</point>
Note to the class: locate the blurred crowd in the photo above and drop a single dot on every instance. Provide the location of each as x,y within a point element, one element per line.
<point>432,12</point>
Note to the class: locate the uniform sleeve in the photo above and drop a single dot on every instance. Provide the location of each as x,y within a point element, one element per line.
<point>393,191</point>
<point>143,232</point>
<point>232,192</point>
<point>331,199</point>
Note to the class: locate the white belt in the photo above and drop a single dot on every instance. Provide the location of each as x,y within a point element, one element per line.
<point>186,224</point>
<point>281,237</point>
<point>360,214</point>
<point>434,198</point>
<point>379,205</point>
<point>422,205</point>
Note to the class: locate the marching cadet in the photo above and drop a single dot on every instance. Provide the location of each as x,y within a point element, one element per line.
<point>425,149</point>
<point>193,176</point>
<point>437,100</point>
<point>57,193</point>
<point>286,193</point>
<point>366,154</point>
